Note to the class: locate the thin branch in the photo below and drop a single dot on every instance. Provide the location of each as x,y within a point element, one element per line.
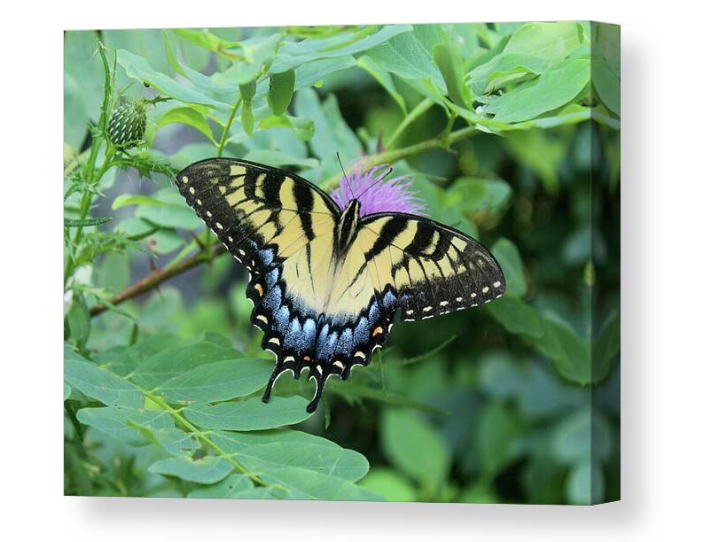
<point>158,276</point>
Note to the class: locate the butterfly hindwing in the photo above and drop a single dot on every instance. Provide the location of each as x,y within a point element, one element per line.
<point>433,269</point>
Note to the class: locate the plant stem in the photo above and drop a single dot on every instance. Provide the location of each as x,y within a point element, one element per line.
<point>413,115</point>
<point>226,129</point>
<point>157,277</point>
<point>204,438</point>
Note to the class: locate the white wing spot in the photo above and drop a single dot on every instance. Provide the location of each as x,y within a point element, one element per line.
<point>487,300</point>
<point>485,289</point>
<point>410,311</point>
<point>209,214</point>
<point>288,358</point>
<point>230,239</point>
<point>496,284</point>
<point>192,190</point>
<point>473,295</point>
<point>262,319</point>
<point>185,179</point>
<point>219,225</point>
<point>443,303</point>
<point>389,327</point>
<point>426,309</point>
<point>318,369</point>
<point>459,299</point>
<point>274,340</point>
<point>499,295</point>
<point>198,201</point>
<point>359,354</point>
<point>338,364</point>
<point>241,252</point>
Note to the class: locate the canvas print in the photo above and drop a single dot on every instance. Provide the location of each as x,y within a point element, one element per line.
<point>373,262</point>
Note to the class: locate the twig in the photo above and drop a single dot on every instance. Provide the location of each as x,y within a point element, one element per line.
<point>158,276</point>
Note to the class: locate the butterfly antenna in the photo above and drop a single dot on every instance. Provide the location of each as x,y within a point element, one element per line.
<point>348,181</point>
<point>376,182</point>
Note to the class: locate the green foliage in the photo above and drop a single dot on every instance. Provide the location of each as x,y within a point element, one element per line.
<point>520,407</point>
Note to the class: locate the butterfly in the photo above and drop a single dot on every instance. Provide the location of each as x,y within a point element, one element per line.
<point>326,283</point>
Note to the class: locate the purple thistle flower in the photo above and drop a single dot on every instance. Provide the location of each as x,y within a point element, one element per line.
<point>377,195</point>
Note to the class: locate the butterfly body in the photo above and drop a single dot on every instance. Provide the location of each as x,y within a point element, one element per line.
<point>326,283</point>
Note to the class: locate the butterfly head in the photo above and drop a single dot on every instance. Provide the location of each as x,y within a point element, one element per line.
<point>347,226</point>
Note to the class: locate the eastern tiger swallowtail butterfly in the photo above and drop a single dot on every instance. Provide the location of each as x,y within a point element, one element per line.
<point>326,283</point>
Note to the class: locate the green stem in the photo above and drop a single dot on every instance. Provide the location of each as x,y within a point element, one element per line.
<point>226,129</point>
<point>204,438</point>
<point>421,108</point>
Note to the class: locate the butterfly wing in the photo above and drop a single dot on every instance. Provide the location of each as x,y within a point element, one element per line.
<point>433,269</point>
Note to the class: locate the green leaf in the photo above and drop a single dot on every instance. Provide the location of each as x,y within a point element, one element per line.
<point>406,57</point>
<point>205,470</point>
<point>83,85</point>
<point>551,90</point>
<point>307,484</point>
<point>228,488</point>
<point>218,381</point>
<point>85,222</point>
<point>250,414</point>
<point>517,317</point>
<point>171,440</point>
<point>312,73</point>
<point>98,383</point>
<point>385,80</point>
<point>551,41</point>
<point>78,319</point>
<point>278,159</point>
<point>292,54</point>
<point>415,446</point>
<point>541,153</point>
<point>332,134</point>
<point>190,117</point>
<point>606,64</point>
<point>498,431</point>
<point>113,421</point>
<point>570,353</point>
<point>281,91</point>
<point>174,214</point>
<point>471,194</point>
<point>606,346</point>
<point>247,91</point>
<point>505,69</point>
<point>303,128</point>
<point>67,391</point>
<point>585,484</point>
<point>171,362</point>
<point>138,68</point>
<point>510,262</point>
<point>390,484</point>
<point>320,455</point>
<point>448,58</point>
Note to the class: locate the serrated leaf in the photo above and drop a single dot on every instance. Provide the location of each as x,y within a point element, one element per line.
<point>86,222</point>
<point>250,414</point>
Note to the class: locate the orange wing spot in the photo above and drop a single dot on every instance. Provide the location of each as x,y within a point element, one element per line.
<point>377,331</point>
<point>259,289</point>
<point>307,358</point>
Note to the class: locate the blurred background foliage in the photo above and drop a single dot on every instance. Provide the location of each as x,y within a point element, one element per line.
<point>511,133</point>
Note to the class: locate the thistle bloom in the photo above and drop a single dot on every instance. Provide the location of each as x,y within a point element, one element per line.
<point>377,194</point>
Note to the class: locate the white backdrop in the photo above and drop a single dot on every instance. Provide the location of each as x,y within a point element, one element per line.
<point>663,292</point>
